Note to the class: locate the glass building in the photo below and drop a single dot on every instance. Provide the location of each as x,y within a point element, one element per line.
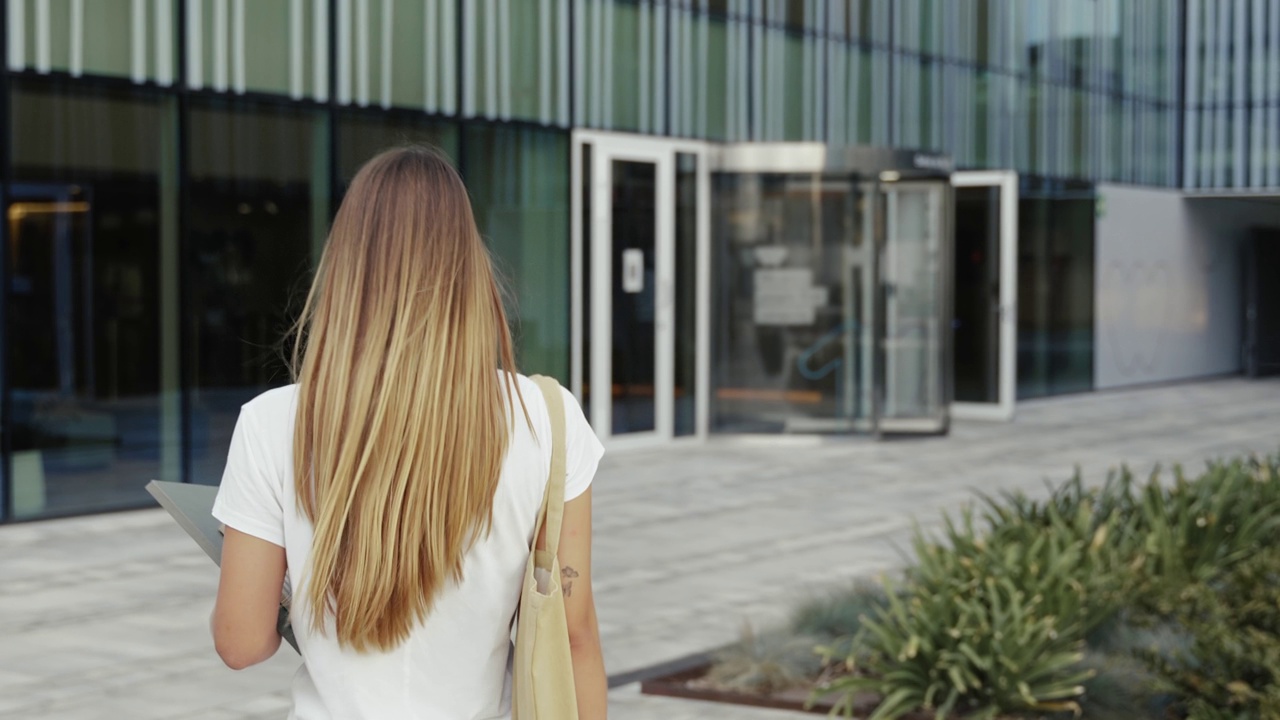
<point>715,215</point>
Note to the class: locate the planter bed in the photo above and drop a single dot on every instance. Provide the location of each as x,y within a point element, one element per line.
<point>686,684</point>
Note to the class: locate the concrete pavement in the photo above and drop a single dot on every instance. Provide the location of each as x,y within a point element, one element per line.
<point>106,616</point>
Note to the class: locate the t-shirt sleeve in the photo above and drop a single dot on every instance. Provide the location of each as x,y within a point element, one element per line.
<point>249,496</point>
<point>582,449</point>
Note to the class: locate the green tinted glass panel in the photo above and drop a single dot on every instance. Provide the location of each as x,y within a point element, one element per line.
<point>92,326</point>
<point>118,38</point>
<point>363,134</point>
<point>519,54</point>
<point>398,54</point>
<point>519,184</point>
<point>279,47</point>
<point>258,203</point>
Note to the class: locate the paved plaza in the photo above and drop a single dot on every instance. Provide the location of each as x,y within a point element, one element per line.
<point>107,616</point>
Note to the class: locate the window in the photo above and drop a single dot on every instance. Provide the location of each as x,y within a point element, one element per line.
<point>267,46</point>
<point>257,214</point>
<point>519,184</point>
<point>362,135</point>
<point>92,314</point>
<point>118,38</point>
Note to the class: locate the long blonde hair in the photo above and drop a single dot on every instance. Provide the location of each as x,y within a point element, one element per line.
<point>403,415</point>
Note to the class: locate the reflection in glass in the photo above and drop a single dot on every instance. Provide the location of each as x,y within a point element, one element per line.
<point>520,54</point>
<point>707,93</point>
<point>621,50</point>
<point>92,353</point>
<point>519,185</point>
<point>398,54</point>
<point>977,294</point>
<point>913,381</point>
<point>634,296</point>
<point>1055,287</point>
<point>853,74</point>
<point>786,108</point>
<point>364,134</point>
<point>266,47</point>
<point>116,38</point>
<point>252,223</point>
<point>790,302</point>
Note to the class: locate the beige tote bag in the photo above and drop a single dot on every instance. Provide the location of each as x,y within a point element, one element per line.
<point>542,669</point>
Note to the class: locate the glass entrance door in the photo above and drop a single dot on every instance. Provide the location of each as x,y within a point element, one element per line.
<point>625,255</point>
<point>985,286</point>
<point>914,393</point>
<point>796,302</point>
<point>637,289</point>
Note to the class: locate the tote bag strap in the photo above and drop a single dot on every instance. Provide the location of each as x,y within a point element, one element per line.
<point>551,515</point>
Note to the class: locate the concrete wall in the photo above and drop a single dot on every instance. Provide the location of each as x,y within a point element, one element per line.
<point>1168,284</point>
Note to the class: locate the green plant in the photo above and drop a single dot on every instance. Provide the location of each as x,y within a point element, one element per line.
<point>1232,667</point>
<point>838,613</point>
<point>1158,537</point>
<point>1122,688</point>
<point>765,663</point>
<point>986,623</point>
<point>1196,529</point>
<point>993,616</point>
<point>983,653</point>
<point>1072,561</point>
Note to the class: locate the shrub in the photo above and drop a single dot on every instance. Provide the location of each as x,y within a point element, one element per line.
<point>984,653</point>
<point>765,663</point>
<point>1067,554</point>
<point>1232,667</point>
<point>1197,529</point>
<point>838,613</point>
<point>1122,688</point>
<point>993,616</point>
<point>986,624</point>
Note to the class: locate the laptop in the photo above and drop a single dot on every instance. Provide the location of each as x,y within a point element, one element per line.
<point>192,506</point>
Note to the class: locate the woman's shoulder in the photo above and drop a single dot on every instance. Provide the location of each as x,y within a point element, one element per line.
<point>273,406</point>
<point>527,384</point>
<point>531,392</point>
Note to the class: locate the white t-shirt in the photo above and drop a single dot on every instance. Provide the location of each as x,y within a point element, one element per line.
<point>454,665</point>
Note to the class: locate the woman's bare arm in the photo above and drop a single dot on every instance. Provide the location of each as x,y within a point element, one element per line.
<point>248,605</point>
<point>580,609</point>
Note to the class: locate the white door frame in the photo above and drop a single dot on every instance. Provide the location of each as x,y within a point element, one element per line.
<point>1007,182</point>
<point>608,146</point>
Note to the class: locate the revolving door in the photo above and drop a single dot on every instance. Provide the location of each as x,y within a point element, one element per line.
<point>831,297</point>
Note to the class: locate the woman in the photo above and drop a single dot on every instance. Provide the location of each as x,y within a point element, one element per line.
<point>399,480</point>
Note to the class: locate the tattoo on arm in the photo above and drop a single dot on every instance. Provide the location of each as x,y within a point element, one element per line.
<point>567,574</point>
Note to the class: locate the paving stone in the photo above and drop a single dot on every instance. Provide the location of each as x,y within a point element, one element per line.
<point>107,616</point>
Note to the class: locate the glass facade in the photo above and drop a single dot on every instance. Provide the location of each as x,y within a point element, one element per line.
<point>782,365</point>
<point>168,170</point>
<point>252,221</point>
<point>1231,116</point>
<point>92,342</point>
<point>1155,92</point>
<point>1067,88</point>
<point>519,183</point>
<point>167,194</point>
<point>1055,287</point>
<point>110,38</point>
